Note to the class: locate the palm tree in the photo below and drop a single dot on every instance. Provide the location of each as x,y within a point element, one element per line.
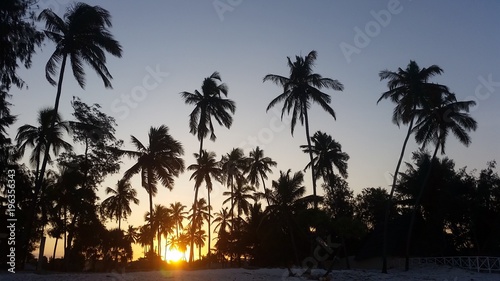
<point>408,89</point>
<point>82,36</point>
<point>223,221</point>
<point>199,240</point>
<point>434,123</point>
<point>177,215</point>
<point>328,154</point>
<point>299,90</point>
<point>131,235</point>
<point>37,137</point>
<point>208,104</point>
<point>206,169</point>
<point>258,165</point>
<point>233,164</point>
<point>161,223</point>
<point>159,161</point>
<point>118,204</point>
<point>240,197</point>
<point>286,199</point>
<point>199,214</point>
<point>144,237</point>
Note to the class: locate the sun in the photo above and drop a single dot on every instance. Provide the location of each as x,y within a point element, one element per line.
<point>174,255</point>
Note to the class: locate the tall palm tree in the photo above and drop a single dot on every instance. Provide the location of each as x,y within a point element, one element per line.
<point>199,214</point>
<point>159,161</point>
<point>205,169</point>
<point>328,154</point>
<point>118,204</point>
<point>209,104</point>
<point>434,124</point>
<point>408,89</point>
<point>178,215</point>
<point>259,166</point>
<point>37,137</point>
<point>301,89</point>
<point>83,37</point>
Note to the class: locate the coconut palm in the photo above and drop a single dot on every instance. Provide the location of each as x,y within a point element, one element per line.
<point>233,165</point>
<point>177,215</point>
<point>118,204</point>
<point>160,161</point>
<point>144,237</point>
<point>434,123</point>
<point>408,89</point>
<point>223,221</point>
<point>160,222</point>
<point>209,104</point>
<point>328,154</point>
<point>132,234</point>
<point>205,169</point>
<point>301,89</point>
<point>199,214</point>
<point>286,199</point>
<point>83,37</point>
<point>257,168</point>
<point>37,137</point>
<point>241,196</point>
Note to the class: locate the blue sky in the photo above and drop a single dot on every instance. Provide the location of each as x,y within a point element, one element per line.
<point>171,46</point>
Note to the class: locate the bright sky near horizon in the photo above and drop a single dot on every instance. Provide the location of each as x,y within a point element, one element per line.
<point>171,46</point>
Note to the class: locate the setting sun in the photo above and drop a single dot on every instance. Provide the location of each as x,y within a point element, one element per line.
<point>174,256</point>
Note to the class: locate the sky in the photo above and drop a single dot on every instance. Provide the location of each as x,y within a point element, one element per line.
<point>171,46</point>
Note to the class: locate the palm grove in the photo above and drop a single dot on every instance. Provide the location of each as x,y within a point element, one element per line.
<point>263,221</point>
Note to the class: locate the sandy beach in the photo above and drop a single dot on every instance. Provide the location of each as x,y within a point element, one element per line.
<point>428,273</point>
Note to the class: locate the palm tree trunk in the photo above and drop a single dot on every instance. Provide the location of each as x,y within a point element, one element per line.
<point>152,246</point>
<point>193,226</point>
<point>119,221</point>
<point>310,157</point>
<point>159,241</point>
<point>39,181</point>
<point>265,190</point>
<point>415,210</point>
<point>209,229</point>
<point>389,201</point>
<point>55,248</point>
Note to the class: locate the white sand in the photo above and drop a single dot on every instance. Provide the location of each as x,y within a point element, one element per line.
<point>428,273</point>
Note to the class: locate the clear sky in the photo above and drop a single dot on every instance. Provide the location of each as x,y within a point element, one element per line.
<point>171,46</point>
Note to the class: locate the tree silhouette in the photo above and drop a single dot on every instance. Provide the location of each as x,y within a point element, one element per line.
<point>259,166</point>
<point>300,90</point>
<point>408,89</point>
<point>159,161</point>
<point>118,204</point>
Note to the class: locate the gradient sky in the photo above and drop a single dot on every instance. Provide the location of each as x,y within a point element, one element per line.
<point>185,41</point>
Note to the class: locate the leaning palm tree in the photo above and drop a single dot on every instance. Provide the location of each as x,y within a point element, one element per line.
<point>300,90</point>
<point>205,169</point>
<point>209,104</point>
<point>408,89</point>
<point>328,154</point>
<point>259,166</point>
<point>118,204</point>
<point>37,137</point>
<point>434,123</point>
<point>159,161</point>
<point>82,36</point>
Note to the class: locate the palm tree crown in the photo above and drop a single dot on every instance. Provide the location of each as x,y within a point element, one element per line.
<point>118,204</point>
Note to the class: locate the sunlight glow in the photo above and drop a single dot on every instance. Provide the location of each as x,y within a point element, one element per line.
<point>174,256</point>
